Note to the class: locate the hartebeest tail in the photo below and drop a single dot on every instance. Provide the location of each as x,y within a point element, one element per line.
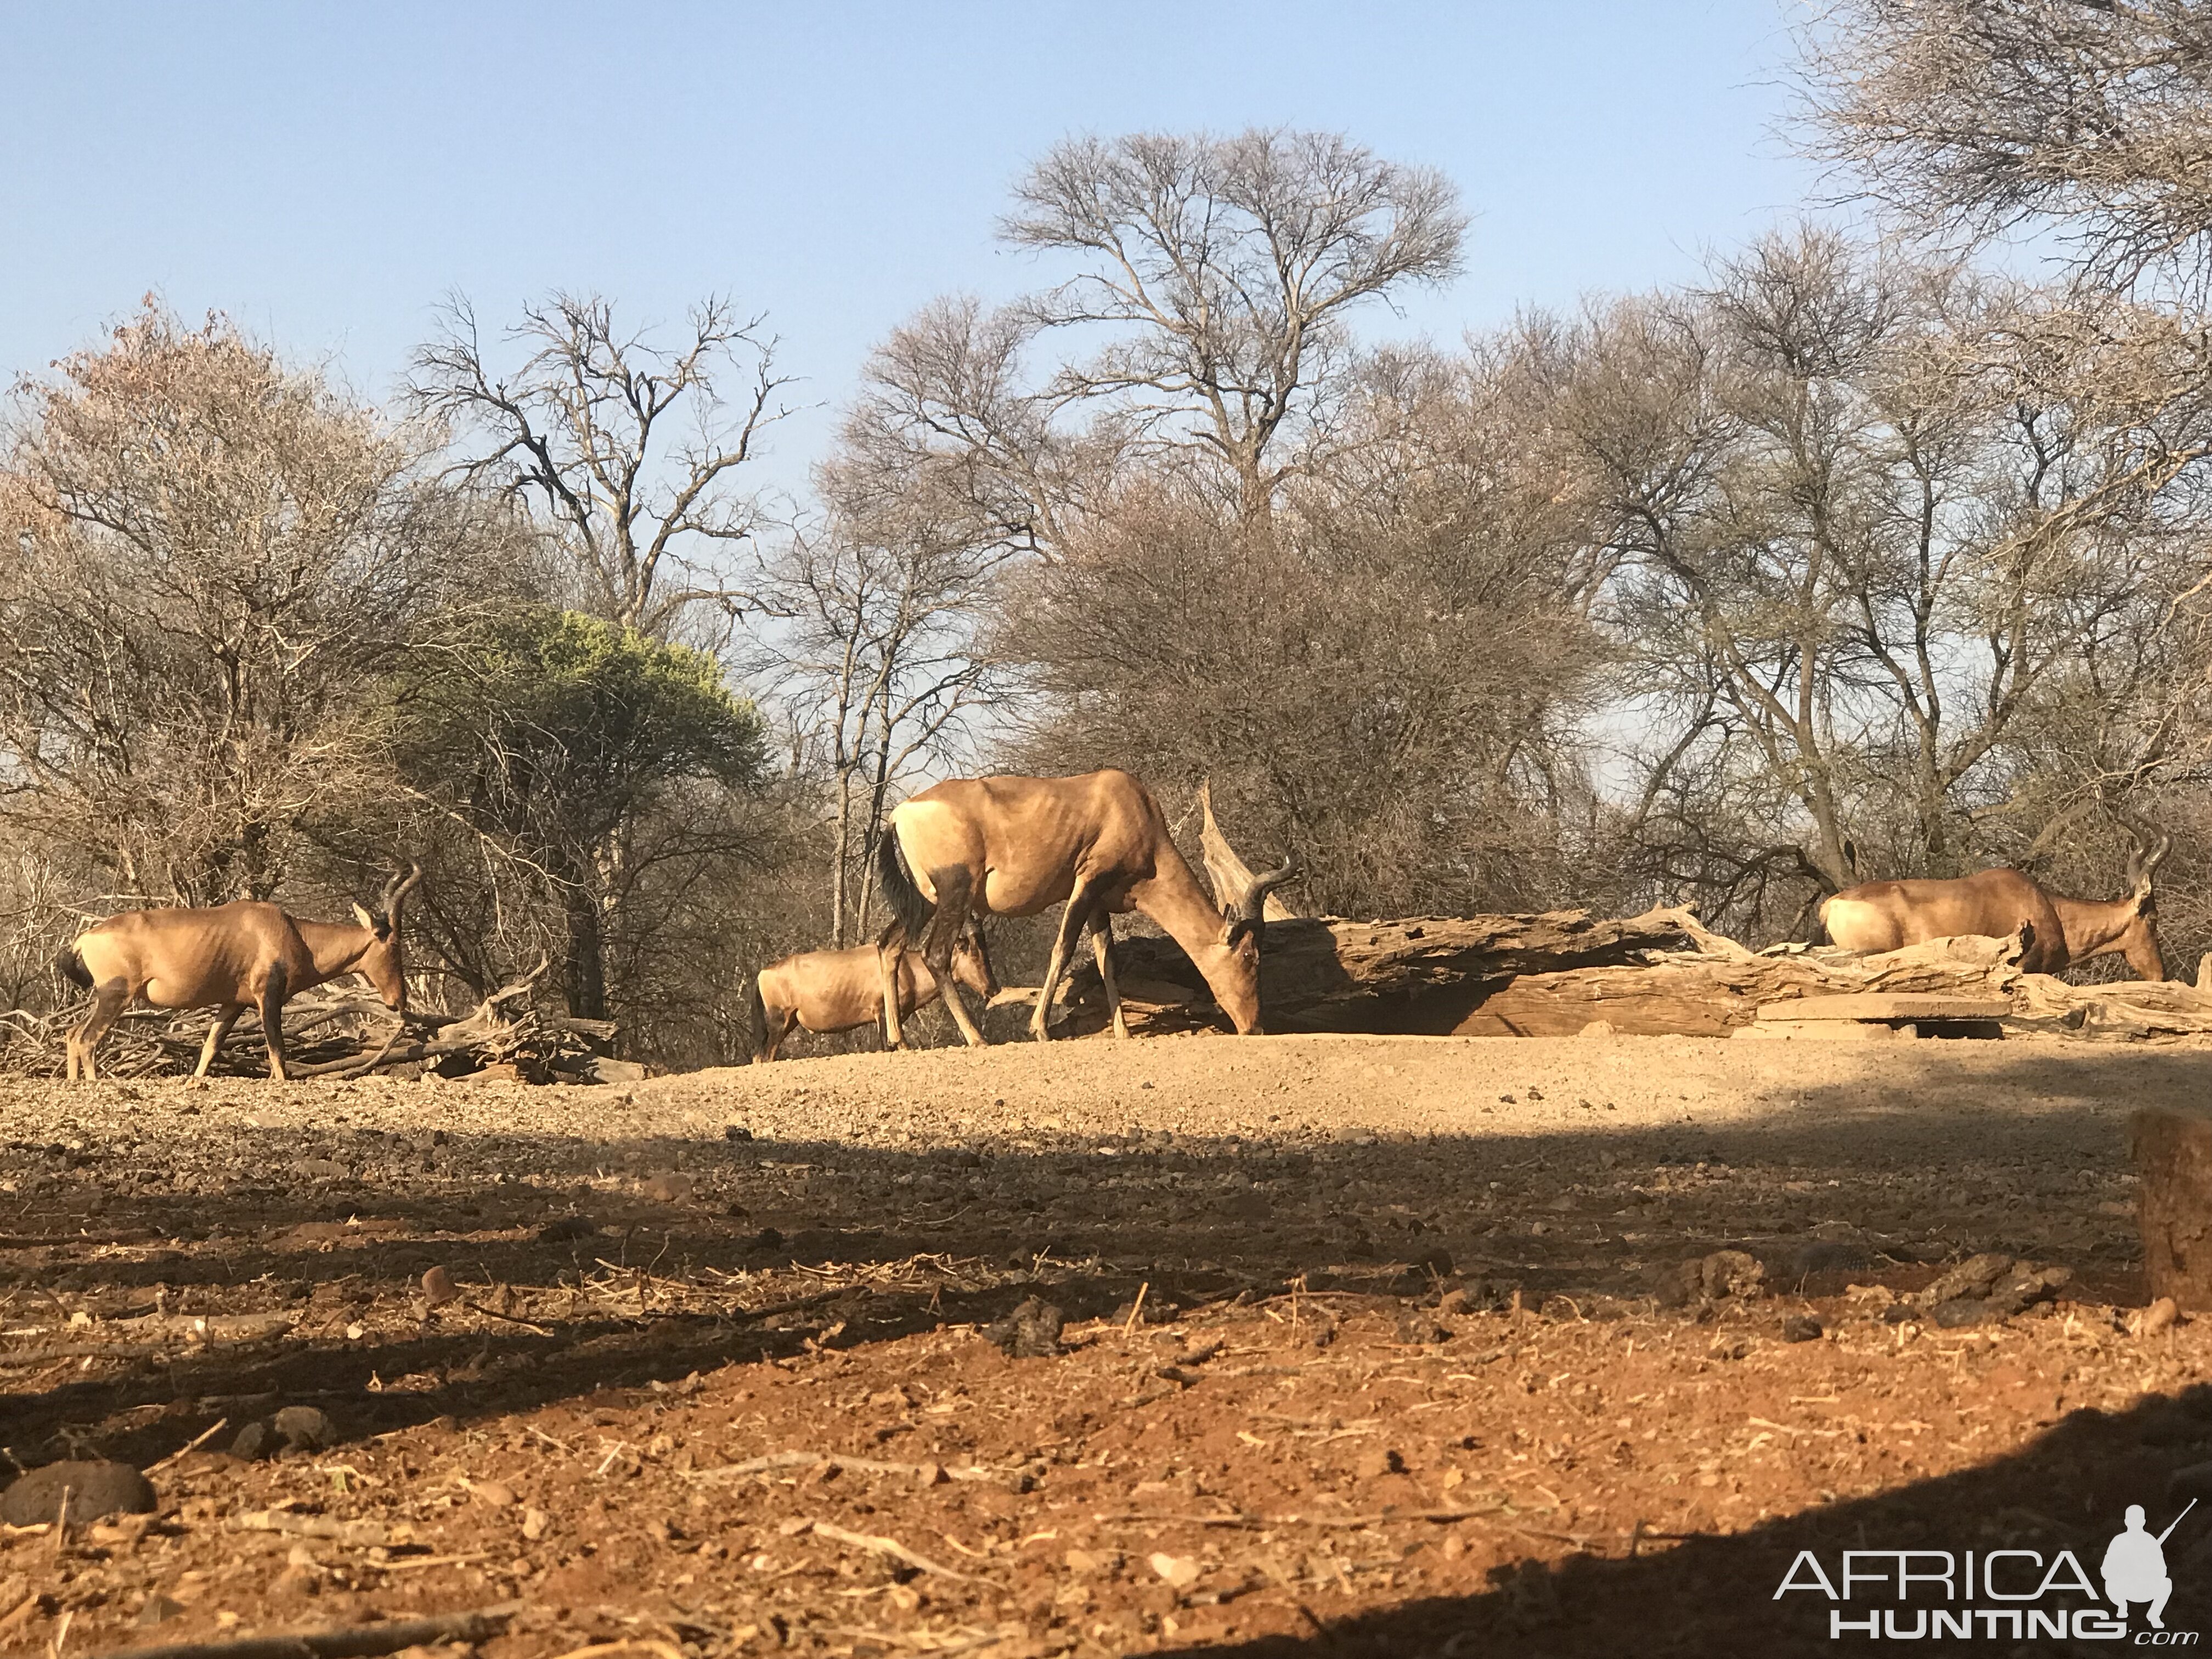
<point>229,957</point>
<point>1011,847</point>
<point>2060,932</point>
<point>910,907</point>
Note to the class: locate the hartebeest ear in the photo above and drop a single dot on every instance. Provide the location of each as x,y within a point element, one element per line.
<point>362,915</point>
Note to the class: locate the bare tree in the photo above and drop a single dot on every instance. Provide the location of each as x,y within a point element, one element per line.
<point>1878,527</point>
<point>878,659</point>
<point>1977,117</point>
<point>1391,682</point>
<point>632,449</point>
<point>214,559</point>
<point>1225,268</point>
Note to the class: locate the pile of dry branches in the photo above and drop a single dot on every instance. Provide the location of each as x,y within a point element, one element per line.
<point>334,1034</point>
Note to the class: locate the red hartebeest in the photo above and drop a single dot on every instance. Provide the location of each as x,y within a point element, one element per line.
<point>1010,846</point>
<point>230,958</point>
<point>837,990</point>
<point>1887,916</point>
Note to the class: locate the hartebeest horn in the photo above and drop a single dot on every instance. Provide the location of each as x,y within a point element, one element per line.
<point>1248,914</point>
<point>2143,866</point>
<point>396,892</point>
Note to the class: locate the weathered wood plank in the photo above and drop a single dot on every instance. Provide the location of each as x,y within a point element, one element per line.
<point>1875,1005</point>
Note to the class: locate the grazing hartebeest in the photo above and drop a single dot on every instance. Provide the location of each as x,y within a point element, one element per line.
<point>231,956</point>
<point>1887,916</point>
<point>1010,846</point>
<point>838,990</point>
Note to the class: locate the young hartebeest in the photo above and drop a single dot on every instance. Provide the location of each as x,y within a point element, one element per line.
<point>1887,916</point>
<point>230,958</point>
<point>837,990</point>
<point>1010,846</point>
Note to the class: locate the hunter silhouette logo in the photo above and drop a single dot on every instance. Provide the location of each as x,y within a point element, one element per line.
<point>2135,1566</point>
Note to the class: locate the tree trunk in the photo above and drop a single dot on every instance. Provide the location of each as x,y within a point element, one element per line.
<point>2173,1157</point>
<point>583,974</point>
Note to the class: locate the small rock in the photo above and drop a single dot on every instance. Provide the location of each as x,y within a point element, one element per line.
<point>1963,1311</point>
<point>1801,1328</point>
<point>1415,1327</point>
<point>1376,1464</point>
<point>1713,1277</point>
<point>669,1189</point>
<point>1727,1273</point>
<point>535,1524</point>
<point>1179,1571</point>
<point>1974,1277</point>
<point>564,1229</point>
<point>2024,1285</point>
<point>1790,1268</point>
<point>251,1442</point>
<point>322,1169</point>
<point>1031,1331</point>
<point>438,1287</point>
<point>1597,1028</point>
<point>296,1581</point>
<point>1729,1347</point>
<point>2159,1316</point>
<point>492,1494</point>
<point>736,1132</point>
<point>159,1610</point>
<point>96,1490</point>
<point>303,1428</point>
<point>1087,1561</point>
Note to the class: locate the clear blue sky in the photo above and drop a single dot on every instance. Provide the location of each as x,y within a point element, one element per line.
<point>325,174</point>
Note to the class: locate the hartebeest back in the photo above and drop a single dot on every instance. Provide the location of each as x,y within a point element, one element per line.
<point>839,990</point>
<point>1887,916</point>
<point>1012,845</point>
<point>231,957</point>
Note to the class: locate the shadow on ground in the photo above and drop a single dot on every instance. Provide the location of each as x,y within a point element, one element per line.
<point>618,1260</point>
<point>2068,1492</point>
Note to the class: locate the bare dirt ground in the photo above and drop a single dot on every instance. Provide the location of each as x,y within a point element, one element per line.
<point>1413,1370</point>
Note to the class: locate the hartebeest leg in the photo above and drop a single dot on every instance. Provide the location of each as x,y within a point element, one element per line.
<point>1073,921</point>
<point>274,990</point>
<point>225,1018</point>
<point>952,901</point>
<point>888,949</point>
<point>1101,943</point>
<point>108,1004</point>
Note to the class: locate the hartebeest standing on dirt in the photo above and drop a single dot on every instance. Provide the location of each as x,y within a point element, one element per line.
<point>838,990</point>
<point>230,958</point>
<point>1887,916</point>
<point>1011,847</point>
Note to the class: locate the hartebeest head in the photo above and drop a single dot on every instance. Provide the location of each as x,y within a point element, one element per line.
<point>971,962</point>
<point>381,963</point>
<point>2137,939</point>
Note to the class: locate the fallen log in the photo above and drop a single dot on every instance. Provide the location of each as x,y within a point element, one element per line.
<point>1410,976</point>
<point>1712,991</point>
